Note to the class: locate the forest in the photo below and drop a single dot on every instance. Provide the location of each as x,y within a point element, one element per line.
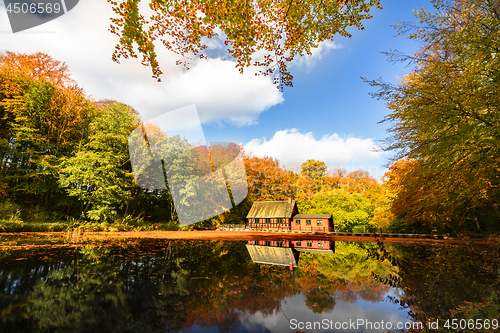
<point>65,164</point>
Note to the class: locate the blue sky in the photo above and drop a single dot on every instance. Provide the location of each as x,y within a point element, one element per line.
<point>327,115</point>
<point>330,96</point>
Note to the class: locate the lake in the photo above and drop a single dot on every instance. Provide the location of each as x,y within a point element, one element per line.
<point>165,285</point>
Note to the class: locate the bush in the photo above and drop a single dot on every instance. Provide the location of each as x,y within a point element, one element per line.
<point>172,226</point>
<point>126,223</point>
<point>8,209</point>
<point>13,223</point>
<point>38,215</point>
<point>44,226</point>
<point>13,219</point>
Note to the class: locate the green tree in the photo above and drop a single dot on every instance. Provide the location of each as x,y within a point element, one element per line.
<point>99,173</point>
<point>277,30</point>
<point>348,210</point>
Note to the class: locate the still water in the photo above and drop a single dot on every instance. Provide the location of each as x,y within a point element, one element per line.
<point>154,285</point>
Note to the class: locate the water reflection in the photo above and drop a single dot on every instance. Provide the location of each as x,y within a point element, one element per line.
<point>284,252</point>
<point>223,286</point>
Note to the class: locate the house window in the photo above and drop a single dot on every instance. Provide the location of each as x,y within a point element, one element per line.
<point>268,243</point>
<point>297,222</point>
<point>320,244</point>
<point>280,220</point>
<point>309,243</point>
<point>256,220</point>
<point>319,222</point>
<point>268,220</point>
<point>298,243</point>
<point>308,222</point>
<point>256,242</point>
<point>279,244</point>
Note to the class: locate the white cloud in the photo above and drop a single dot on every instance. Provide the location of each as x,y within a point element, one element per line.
<point>82,40</point>
<point>309,61</point>
<point>220,92</point>
<point>295,314</point>
<point>293,148</point>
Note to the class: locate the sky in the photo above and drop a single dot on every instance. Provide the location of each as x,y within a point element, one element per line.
<point>295,314</point>
<point>327,115</point>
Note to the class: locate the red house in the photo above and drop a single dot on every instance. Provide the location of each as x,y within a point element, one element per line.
<point>317,246</point>
<point>286,253</point>
<point>312,222</point>
<point>284,216</point>
<point>313,245</point>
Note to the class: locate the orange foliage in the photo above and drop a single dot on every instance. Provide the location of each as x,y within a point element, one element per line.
<point>268,180</point>
<point>37,66</point>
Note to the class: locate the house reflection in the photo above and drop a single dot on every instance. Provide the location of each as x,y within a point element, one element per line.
<point>316,246</point>
<point>286,253</point>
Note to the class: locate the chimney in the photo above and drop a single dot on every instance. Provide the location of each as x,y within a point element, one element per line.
<point>290,200</point>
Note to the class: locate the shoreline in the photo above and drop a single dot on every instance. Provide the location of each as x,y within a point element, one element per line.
<point>237,236</point>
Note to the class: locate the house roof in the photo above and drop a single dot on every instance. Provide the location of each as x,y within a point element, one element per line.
<point>272,255</point>
<point>312,216</point>
<point>269,209</point>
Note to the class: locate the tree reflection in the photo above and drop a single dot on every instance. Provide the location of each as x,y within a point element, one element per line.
<point>436,279</point>
<point>171,286</point>
<point>347,275</point>
<point>80,297</point>
<point>320,300</point>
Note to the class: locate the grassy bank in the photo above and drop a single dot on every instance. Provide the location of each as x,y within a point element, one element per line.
<point>16,224</point>
<point>14,218</point>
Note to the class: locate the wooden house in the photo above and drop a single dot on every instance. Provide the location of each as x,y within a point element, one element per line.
<point>284,216</point>
<point>312,222</point>
<point>273,255</point>
<point>315,246</point>
<point>286,253</point>
<point>272,215</point>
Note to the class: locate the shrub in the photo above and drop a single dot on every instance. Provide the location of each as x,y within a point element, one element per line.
<point>8,209</point>
<point>13,223</point>
<point>125,223</point>
<point>172,226</point>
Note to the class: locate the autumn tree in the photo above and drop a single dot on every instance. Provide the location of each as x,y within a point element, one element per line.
<point>313,169</point>
<point>268,180</point>
<point>359,181</point>
<point>276,31</point>
<point>444,114</point>
<point>383,216</point>
<point>333,178</point>
<point>421,199</point>
<point>43,114</point>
